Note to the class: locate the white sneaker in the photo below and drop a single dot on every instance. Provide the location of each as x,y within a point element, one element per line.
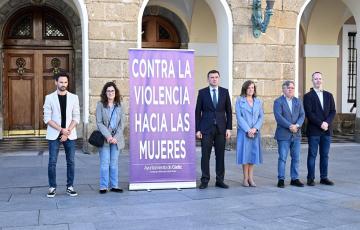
<point>52,192</point>
<point>71,192</point>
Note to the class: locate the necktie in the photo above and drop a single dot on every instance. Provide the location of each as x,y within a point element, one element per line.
<point>214,99</point>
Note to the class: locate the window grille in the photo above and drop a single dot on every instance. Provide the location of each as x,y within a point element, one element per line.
<point>22,28</point>
<point>53,29</point>
<point>352,70</point>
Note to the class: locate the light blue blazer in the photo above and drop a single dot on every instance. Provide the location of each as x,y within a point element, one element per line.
<point>248,117</point>
<point>284,118</point>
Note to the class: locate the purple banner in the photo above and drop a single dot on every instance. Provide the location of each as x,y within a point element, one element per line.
<point>162,107</point>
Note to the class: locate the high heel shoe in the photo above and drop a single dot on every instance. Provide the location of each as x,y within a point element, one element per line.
<point>245,183</point>
<point>252,183</point>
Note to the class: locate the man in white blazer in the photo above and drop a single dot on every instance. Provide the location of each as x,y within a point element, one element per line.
<point>61,115</point>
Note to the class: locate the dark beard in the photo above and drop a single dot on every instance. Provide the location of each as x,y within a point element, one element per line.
<point>63,88</point>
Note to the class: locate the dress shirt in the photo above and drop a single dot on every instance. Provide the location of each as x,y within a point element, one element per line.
<point>216,91</point>
<point>289,102</point>
<point>113,124</point>
<point>319,92</point>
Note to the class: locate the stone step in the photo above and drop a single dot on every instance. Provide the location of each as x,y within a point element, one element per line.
<point>11,144</point>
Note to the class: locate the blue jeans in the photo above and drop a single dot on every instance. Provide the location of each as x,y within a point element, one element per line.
<point>109,157</point>
<point>323,144</point>
<point>69,146</point>
<point>283,149</point>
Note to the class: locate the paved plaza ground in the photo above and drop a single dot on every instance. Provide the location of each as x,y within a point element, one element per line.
<point>24,205</point>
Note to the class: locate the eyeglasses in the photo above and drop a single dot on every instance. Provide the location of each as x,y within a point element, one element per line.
<point>110,91</point>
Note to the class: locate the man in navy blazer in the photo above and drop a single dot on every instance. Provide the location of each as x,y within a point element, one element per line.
<point>320,112</point>
<point>213,116</point>
<point>289,115</point>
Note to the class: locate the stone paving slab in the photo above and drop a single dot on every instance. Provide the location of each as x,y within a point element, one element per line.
<point>4,197</point>
<point>27,205</point>
<point>83,226</point>
<point>19,218</point>
<point>332,217</point>
<point>42,227</point>
<point>344,227</point>
<point>76,215</point>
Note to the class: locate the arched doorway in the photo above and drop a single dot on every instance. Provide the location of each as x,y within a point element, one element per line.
<point>205,17</point>
<point>37,44</point>
<point>331,50</point>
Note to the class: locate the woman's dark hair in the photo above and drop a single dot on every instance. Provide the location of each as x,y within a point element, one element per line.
<point>245,86</point>
<point>104,99</point>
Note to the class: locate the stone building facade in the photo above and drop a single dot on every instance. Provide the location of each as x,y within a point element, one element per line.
<point>220,31</point>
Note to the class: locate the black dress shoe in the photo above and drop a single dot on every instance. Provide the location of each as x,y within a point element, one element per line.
<point>221,184</point>
<point>281,184</point>
<point>326,181</point>
<point>116,190</point>
<point>310,182</point>
<point>203,185</point>
<point>102,191</point>
<point>296,183</point>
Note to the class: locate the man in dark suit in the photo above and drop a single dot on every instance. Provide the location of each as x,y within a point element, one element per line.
<point>213,124</point>
<point>320,111</point>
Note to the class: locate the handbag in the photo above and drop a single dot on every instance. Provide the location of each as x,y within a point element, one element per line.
<point>96,138</point>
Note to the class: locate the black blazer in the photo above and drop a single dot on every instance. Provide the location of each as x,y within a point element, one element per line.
<point>316,115</point>
<point>205,113</point>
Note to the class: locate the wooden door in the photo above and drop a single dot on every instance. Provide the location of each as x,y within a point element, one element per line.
<point>28,78</point>
<point>159,33</point>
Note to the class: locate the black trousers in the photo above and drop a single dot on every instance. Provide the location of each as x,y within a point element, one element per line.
<point>216,139</point>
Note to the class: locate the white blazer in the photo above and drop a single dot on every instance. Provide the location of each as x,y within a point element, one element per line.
<point>52,112</point>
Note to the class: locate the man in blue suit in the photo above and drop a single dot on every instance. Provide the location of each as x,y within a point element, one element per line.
<point>320,112</point>
<point>289,115</point>
<point>213,116</point>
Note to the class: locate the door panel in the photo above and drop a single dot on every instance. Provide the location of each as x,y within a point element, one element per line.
<point>52,61</point>
<point>28,78</point>
<point>20,87</point>
<point>21,106</point>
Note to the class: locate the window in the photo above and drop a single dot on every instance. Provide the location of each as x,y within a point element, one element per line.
<point>37,26</point>
<point>163,33</point>
<point>53,29</point>
<point>22,28</point>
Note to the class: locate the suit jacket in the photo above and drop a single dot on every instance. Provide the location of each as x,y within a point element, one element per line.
<point>102,122</point>
<point>206,113</point>
<point>316,114</point>
<point>52,112</point>
<point>284,118</point>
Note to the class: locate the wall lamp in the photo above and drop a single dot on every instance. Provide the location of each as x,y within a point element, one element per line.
<point>260,25</point>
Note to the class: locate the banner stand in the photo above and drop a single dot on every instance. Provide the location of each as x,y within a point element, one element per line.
<point>162,119</point>
<point>162,185</point>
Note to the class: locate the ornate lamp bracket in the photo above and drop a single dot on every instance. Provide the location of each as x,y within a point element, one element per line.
<point>260,25</point>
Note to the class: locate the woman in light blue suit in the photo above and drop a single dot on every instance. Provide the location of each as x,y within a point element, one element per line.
<point>250,115</point>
